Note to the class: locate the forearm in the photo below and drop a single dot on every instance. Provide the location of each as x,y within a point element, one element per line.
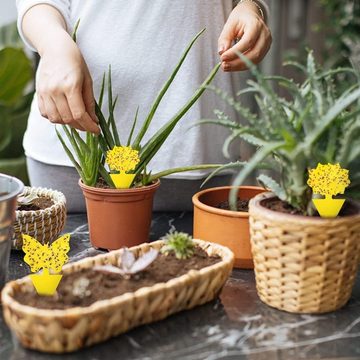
<point>45,28</point>
<point>262,4</point>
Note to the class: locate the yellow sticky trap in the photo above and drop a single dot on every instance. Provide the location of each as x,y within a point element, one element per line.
<point>45,284</point>
<point>328,208</point>
<point>122,181</point>
<point>328,180</point>
<point>44,256</point>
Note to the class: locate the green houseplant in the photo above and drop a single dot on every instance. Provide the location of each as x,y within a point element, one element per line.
<point>119,212</point>
<point>303,263</point>
<point>15,101</point>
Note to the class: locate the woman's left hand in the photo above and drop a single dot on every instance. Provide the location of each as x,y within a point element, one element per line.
<point>246,24</point>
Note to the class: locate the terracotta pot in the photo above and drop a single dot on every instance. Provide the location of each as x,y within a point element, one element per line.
<point>119,217</point>
<point>225,227</point>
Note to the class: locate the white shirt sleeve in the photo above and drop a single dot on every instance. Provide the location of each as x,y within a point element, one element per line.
<point>63,6</point>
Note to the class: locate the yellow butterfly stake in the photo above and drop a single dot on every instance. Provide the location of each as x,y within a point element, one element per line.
<point>46,257</point>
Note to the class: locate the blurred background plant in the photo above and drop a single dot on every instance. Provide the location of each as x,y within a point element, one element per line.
<point>342,28</point>
<point>16,93</point>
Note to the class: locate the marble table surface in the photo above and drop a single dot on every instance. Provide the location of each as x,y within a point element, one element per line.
<point>236,326</point>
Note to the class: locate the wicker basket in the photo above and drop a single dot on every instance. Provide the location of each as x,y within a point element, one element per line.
<point>59,331</point>
<point>44,225</point>
<point>303,264</point>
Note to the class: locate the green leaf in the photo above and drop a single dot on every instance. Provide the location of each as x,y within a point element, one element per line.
<point>133,127</point>
<point>182,169</point>
<point>15,73</point>
<point>250,166</point>
<point>154,144</point>
<point>74,34</point>
<point>102,90</point>
<point>340,105</point>
<point>69,154</point>
<point>112,105</point>
<point>104,127</point>
<point>269,183</point>
<point>230,166</point>
<point>162,92</point>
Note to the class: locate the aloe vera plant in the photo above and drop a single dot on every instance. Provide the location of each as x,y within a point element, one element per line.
<point>313,124</point>
<point>88,156</point>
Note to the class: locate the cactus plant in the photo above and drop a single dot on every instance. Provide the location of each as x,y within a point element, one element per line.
<point>313,124</point>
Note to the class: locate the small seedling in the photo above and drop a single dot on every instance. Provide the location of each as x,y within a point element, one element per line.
<point>128,265</point>
<point>179,243</point>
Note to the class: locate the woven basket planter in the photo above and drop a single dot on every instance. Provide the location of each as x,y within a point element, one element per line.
<point>303,264</point>
<point>43,225</point>
<point>60,331</point>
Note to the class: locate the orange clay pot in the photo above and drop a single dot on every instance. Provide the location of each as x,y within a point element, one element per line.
<point>225,227</point>
<point>119,217</point>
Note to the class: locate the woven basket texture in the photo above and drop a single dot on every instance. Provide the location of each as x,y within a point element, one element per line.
<point>59,331</point>
<point>303,264</point>
<point>43,225</point>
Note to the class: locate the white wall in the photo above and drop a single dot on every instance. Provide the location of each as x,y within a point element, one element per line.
<point>7,11</point>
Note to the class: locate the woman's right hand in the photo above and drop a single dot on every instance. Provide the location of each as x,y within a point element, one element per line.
<point>64,85</point>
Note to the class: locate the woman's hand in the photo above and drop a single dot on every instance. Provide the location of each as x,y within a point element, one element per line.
<point>63,84</point>
<point>64,87</point>
<point>246,24</point>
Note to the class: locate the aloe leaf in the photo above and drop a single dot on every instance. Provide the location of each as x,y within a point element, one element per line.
<point>182,169</point>
<point>133,127</point>
<point>105,175</point>
<point>112,105</point>
<point>250,166</point>
<point>102,90</point>
<point>269,183</point>
<point>73,142</point>
<point>80,142</point>
<point>75,30</point>
<point>162,92</point>
<point>232,165</point>
<point>104,128</point>
<point>253,140</point>
<point>340,105</point>
<point>156,141</point>
<point>70,155</point>
<point>228,124</point>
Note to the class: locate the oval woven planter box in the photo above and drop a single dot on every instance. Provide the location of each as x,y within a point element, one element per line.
<point>303,264</point>
<point>43,225</point>
<point>60,331</point>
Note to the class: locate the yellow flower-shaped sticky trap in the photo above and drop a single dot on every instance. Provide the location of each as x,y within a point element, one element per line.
<point>44,256</point>
<point>328,180</point>
<point>122,159</point>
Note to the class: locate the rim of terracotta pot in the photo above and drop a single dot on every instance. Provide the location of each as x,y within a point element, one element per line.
<point>229,213</point>
<point>119,192</point>
<point>255,205</point>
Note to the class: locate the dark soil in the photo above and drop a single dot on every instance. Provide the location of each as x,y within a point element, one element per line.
<point>40,203</point>
<point>105,285</point>
<point>278,205</point>
<point>241,205</point>
<point>275,204</point>
<point>102,184</point>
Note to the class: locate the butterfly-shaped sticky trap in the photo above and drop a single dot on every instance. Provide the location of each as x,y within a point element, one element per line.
<point>46,257</point>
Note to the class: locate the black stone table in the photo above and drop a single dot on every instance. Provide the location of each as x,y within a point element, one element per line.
<point>236,326</point>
